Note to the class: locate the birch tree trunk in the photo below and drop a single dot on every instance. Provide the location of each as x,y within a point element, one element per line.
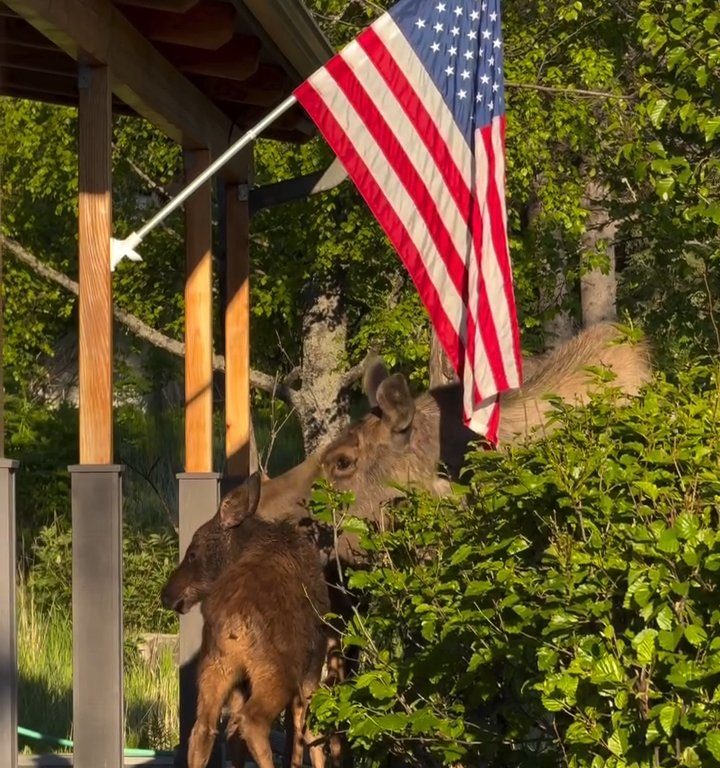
<point>323,400</point>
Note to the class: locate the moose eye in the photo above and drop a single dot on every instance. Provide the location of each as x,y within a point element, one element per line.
<point>343,464</point>
<point>190,556</point>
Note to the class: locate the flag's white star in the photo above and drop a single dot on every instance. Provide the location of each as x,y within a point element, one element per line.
<point>491,61</point>
<point>486,34</point>
<point>450,71</point>
<point>484,79</point>
<point>455,31</point>
<point>435,47</point>
<point>483,7</point>
<point>472,35</point>
<point>475,15</point>
<point>496,87</point>
<point>490,106</point>
<point>468,55</point>
<point>465,74</point>
<point>497,42</point>
<point>439,27</point>
<point>452,51</point>
<point>479,98</point>
<point>440,7</point>
<point>493,16</point>
<point>420,23</point>
<point>458,11</point>
<point>462,94</point>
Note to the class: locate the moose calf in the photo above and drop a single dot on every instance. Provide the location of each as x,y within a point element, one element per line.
<point>264,641</point>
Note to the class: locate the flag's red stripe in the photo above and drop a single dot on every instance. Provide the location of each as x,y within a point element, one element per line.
<point>393,150</point>
<point>486,319</point>
<point>497,229</point>
<point>493,425</point>
<point>414,108</point>
<point>397,158</point>
<point>383,211</point>
<point>509,289</point>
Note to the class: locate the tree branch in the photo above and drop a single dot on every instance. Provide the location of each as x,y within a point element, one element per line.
<point>572,91</point>
<point>142,330</point>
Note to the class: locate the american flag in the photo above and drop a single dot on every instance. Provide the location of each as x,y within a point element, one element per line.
<point>414,108</point>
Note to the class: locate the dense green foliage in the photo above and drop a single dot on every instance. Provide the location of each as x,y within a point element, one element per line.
<point>564,612</point>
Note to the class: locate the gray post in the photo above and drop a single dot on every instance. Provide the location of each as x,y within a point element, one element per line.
<point>8,623</point>
<point>199,496</point>
<point>98,722</point>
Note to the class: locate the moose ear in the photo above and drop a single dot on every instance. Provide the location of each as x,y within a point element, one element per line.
<point>240,503</point>
<point>374,375</point>
<point>396,402</point>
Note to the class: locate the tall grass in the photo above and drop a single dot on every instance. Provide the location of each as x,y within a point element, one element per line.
<point>45,689</point>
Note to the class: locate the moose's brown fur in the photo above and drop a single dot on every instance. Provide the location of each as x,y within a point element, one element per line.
<point>410,442</point>
<point>263,644</point>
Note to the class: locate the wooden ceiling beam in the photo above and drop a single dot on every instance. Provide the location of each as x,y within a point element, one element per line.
<point>266,88</point>
<point>39,83</point>
<point>208,25</point>
<point>236,60</point>
<point>18,31</point>
<point>53,62</point>
<point>176,6</point>
<point>95,31</point>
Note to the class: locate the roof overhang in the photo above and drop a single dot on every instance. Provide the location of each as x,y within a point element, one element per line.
<point>200,70</point>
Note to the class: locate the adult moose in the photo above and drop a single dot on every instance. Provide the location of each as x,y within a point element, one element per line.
<point>420,442</point>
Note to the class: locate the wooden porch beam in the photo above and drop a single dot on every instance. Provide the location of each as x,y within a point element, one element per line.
<point>237,334</point>
<point>95,219</point>
<point>210,25</point>
<point>95,31</point>
<point>237,60</point>
<point>198,319</point>
<point>176,6</point>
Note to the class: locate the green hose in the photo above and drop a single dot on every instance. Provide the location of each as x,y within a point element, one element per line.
<point>36,736</point>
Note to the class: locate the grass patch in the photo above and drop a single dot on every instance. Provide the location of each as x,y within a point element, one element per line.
<point>45,687</point>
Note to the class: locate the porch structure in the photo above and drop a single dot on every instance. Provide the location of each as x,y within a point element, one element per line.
<point>202,71</point>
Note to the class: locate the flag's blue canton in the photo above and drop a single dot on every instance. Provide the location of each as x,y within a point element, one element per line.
<point>460,44</point>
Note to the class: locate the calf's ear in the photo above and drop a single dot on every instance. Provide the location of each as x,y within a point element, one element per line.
<point>241,502</point>
<point>374,375</point>
<point>396,402</point>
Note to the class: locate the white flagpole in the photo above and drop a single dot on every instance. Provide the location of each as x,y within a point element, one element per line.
<point>120,249</point>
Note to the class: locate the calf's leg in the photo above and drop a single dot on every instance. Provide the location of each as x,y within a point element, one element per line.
<point>214,685</point>
<point>236,747</point>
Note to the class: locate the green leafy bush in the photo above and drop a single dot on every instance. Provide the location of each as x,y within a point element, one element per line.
<point>148,559</point>
<point>563,613</point>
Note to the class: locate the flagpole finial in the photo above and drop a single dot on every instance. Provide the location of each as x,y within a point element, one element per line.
<point>124,249</point>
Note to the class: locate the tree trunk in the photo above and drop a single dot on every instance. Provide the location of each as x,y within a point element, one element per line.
<point>324,401</point>
<point>441,370</point>
<point>558,326</point>
<point>553,289</point>
<point>598,283</point>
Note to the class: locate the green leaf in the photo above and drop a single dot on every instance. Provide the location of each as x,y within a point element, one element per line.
<point>644,644</point>
<point>668,541</point>
<point>618,742</point>
<point>711,128</point>
<point>695,635</point>
<point>670,717</point>
<point>712,742</point>
<point>657,111</point>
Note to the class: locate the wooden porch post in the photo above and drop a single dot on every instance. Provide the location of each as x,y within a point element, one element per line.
<point>237,333</point>
<point>95,214</point>
<point>98,722</point>
<point>198,319</point>
<point>199,485</point>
